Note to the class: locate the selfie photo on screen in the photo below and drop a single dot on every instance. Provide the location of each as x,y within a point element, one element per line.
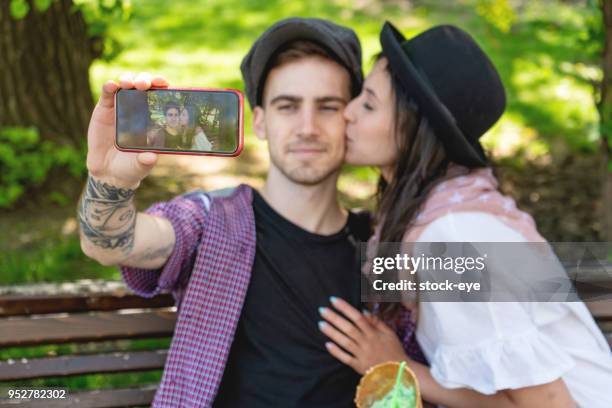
<point>178,120</point>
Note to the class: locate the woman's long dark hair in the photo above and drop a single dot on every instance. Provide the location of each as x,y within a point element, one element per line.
<point>193,121</point>
<point>421,164</point>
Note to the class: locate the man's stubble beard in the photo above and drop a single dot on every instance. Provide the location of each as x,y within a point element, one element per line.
<point>305,175</point>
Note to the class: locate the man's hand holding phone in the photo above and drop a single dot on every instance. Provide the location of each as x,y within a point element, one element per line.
<point>111,230</point>
<point>104,161</point>
<point>133,121</point>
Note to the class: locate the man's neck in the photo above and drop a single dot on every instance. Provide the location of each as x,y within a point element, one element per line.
<point>314,208</point>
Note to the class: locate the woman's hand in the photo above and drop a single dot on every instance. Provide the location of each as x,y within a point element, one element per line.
<point>358,340</point>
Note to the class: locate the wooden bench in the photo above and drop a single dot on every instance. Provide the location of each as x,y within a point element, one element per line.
<point>98,312</point>
<point>92,313</point>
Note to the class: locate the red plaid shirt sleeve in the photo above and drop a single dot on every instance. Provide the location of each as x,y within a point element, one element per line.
<point>187,214</point>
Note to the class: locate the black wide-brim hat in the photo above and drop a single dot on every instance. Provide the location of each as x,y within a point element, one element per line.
<point>454,84</point>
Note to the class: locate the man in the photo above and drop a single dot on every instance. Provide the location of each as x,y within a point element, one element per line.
<point>167,135</point>
<point>248,269</point>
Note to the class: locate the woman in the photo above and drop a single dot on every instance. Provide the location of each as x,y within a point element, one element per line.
<point>192,133</point>
<point>419,117</point>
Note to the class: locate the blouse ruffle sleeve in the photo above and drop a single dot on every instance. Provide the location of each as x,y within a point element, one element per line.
<point>489,354</point>
<point>487,346</point>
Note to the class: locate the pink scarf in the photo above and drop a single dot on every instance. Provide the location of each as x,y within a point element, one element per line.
<point>476,191</point>
<point>464,190</point>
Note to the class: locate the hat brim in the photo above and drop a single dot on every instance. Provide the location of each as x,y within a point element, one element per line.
<point>416,85</point>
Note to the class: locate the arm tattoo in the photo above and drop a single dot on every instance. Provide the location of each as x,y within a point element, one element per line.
<point>107,216</point>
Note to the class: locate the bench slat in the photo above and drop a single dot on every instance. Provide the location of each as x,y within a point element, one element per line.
<point>12,370</point>
<point>601,310</point>
<point>25,331</point>
<point>20,305</point>
<point>108,398</point>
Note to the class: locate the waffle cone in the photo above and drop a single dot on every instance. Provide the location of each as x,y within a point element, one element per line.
<point>379,380</point>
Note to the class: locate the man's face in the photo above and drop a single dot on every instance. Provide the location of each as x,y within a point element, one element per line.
<point>172,118</point>
<point>302,118</point>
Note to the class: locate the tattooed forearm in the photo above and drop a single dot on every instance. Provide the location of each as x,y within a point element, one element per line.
<point>107,216</point>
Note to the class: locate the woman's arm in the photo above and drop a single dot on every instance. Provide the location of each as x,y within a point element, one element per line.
<point>554,394</point>
<point>362,342</point>
<point>200,141</point>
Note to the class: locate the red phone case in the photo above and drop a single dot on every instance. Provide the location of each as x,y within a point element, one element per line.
<point>195,153</point>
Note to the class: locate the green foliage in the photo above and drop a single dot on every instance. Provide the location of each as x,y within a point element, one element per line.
<point>42,5</point>
<point>547,52</point>
<point>592,41</point>
<point>19,8</point>
<point>498,13</point>
<point>25,161</point>
<point>98,14</point>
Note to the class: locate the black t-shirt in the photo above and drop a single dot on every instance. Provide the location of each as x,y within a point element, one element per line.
<point>278,357</point>
<point>182,140</point>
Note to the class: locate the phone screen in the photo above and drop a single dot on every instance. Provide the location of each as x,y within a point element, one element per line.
<point>175,120</point>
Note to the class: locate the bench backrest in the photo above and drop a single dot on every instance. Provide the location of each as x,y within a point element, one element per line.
<point>59,314</point>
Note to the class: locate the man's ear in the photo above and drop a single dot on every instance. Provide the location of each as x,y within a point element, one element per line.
<point>259,118</point>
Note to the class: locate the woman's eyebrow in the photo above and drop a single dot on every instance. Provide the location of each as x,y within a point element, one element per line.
<point>370,92</point>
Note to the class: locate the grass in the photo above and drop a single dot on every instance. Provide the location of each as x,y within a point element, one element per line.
<point>52,260</point>
<point>544,60</point>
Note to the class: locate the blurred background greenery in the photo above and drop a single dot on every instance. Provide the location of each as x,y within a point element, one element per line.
<point>550,145</point>
<point>547,145</point>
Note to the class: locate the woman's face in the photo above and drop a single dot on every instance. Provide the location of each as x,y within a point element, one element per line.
<point>370,134</point>
<point>184,117</point>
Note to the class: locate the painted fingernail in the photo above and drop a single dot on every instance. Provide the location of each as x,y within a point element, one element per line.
<point>322,310</point>
<point>366,312</point>
<point>333,299</point>
<point>321,324</point>
<point>328,344</point>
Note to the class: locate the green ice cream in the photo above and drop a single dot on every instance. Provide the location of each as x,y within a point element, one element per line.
<point>399,396</point>
<point>406,398</point>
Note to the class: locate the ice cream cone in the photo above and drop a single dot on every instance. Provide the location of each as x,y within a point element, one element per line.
<point>378,382</point>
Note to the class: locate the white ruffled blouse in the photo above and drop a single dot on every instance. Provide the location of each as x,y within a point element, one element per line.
<point>507,345</point>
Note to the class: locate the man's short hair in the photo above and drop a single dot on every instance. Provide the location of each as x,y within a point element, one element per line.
<point>295,51</point>
<point>170,105</point>
<point>298,50</point>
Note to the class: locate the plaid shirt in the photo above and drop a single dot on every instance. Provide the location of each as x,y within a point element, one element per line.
<point>208,273</point>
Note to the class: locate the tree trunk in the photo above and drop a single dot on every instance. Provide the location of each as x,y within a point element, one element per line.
<point>44,72</point>
<point>605,112</point>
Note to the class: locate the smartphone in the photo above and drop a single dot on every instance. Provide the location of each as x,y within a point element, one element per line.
<point>195,121</point>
